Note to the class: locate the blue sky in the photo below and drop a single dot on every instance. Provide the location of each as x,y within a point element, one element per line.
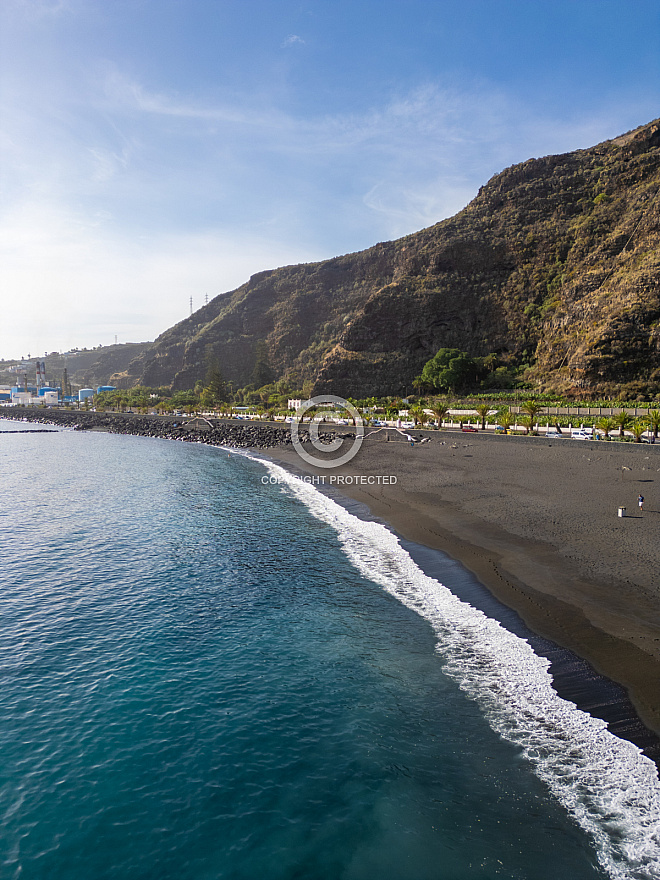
<point>154,150</point>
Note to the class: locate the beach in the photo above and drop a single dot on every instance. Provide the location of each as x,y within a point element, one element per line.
<point>534,519</point>
<point>537,522</point>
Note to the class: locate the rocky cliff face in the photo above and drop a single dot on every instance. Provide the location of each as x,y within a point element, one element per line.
<point>555,263</point>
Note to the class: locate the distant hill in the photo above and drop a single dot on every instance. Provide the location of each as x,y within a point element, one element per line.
<point>105,365</point>
<point>555,264</point>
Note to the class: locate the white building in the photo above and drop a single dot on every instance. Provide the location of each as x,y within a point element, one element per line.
<point>295,403</point>
<point>21,398</point>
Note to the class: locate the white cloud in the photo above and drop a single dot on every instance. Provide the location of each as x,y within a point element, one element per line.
<point>120,206</point>
<point>291,40</point>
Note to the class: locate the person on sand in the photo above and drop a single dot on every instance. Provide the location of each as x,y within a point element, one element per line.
<point>640,501</point>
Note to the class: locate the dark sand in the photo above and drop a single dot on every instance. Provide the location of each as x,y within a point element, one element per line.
<point>536,521</point>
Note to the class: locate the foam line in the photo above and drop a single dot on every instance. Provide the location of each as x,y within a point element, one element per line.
<point>606,783</point>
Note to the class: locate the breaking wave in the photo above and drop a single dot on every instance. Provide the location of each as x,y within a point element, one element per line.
<point>606,783</point>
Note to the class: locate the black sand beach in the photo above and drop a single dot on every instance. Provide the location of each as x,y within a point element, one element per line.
<point>537,522</point>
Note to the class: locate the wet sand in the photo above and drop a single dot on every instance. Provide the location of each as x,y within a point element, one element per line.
<point>536,521</point>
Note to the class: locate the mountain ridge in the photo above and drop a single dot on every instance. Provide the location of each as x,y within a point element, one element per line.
<point>554,265</point>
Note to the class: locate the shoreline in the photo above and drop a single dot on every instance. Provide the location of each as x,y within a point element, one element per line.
<point>570,593</point>
<point>533,520</point>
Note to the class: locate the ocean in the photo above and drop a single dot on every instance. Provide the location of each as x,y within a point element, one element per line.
<point>205,675</point>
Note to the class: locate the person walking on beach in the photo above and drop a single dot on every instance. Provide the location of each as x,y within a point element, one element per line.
<point>640,501</point>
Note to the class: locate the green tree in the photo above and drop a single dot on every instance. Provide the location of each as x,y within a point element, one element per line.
<point>215,381</point>
<point>440,411</point>
<point>450,369</point>
<point>505,419</point>
<point>532,408</point>
<point>482,411</point>
<point>606,424</point>
<point>638,429</point>
<point>262,374</point>
<point>622,421</point>
<point>420,384</point>
<point>419,415</point>
<point>653,421</point>
<point>207,399</point>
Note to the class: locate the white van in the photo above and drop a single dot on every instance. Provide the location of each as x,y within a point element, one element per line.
<point>581,434</point>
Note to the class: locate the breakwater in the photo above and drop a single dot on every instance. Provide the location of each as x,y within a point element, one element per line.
<point>214,432</point>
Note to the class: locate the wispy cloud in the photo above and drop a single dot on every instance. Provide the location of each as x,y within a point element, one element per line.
<point>115,213</point>
<point>291,40</point>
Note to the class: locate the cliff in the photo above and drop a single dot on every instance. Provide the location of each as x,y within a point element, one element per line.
<point>555,265</point>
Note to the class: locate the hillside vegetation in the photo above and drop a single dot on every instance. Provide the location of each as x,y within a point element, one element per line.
<point>553,268</point>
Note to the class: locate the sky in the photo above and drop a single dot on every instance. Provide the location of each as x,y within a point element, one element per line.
<point>157,150</point>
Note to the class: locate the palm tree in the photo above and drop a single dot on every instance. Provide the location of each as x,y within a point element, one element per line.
<point>527,421</point>
<point>440,411</point>
<point>622,421</point>
<point>653,420</point>
<point>606,425</point>
<point>638,429</point>
<point>505,418</point>
<point>532,408</point>
<point>419,384</point>
<point>419,415</point>
<point>482,411</point>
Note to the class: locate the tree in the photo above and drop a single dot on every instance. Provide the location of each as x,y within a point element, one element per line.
<point>606,425</point>
<point>450,369</point>
<point>527,422</point>
<point>482,411</point>
<point>505,418</point>
<point>262,374</point>
<point>215,382</point>
<point>638,429</point>
<point>440,411</point>
<point>420,384</point>
<point>532,408</point>
<point>419,415</point>
<point>622,421</point>
<point>207,399</point>
<point>653,421</point>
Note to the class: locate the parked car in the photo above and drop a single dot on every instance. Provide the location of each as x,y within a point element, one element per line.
<point>468,429</point>
<point>581,435</point>
<point>554,434</point>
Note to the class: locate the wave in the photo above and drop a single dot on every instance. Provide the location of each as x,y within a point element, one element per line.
<point>607,784</point>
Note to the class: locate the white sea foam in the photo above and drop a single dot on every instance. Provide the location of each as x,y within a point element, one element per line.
<point>606,783</point>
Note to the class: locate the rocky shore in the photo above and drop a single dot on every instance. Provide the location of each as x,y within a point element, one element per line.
<point>214,432</point>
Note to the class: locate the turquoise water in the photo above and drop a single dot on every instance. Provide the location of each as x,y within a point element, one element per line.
<point>200,679</point>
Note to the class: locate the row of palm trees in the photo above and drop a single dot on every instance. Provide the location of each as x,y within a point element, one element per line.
<point>623,421</point>
<point>530,411</point>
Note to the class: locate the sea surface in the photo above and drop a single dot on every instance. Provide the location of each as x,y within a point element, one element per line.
<point>206,676</point>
